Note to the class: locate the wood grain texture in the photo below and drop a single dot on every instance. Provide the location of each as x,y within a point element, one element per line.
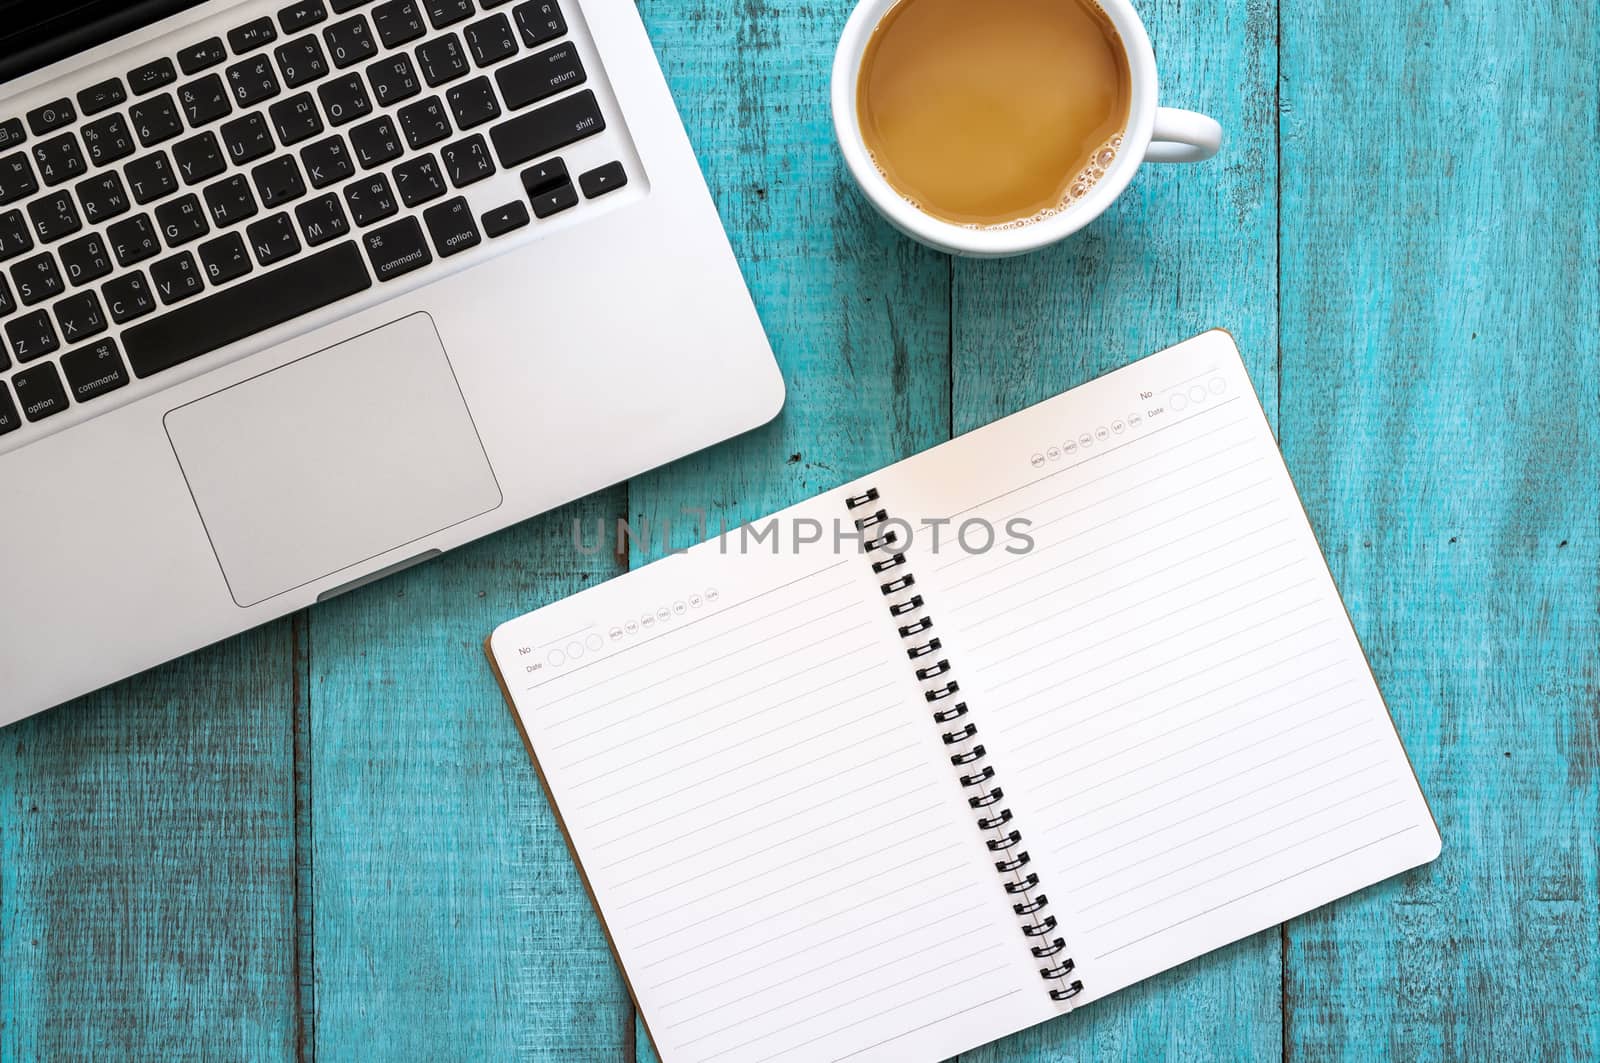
<point>146,842</point>
<point>1185,249</point>
<point>449,921</point>
<point>1439,413</point>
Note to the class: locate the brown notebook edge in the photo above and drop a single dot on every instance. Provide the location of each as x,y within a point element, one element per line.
<point>572,850</point>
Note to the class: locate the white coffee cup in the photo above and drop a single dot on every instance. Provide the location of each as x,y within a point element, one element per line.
<point>1153,134</point>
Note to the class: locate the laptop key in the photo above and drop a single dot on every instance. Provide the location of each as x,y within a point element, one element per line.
<point>341,6</point>
<point>273,238</point>
<point>8,306</point>
<point>253,80</point>
<point>295,119</point>
<point>545,176</point>
<point>199,158</point>
<point>229,200</point>
<point>39,392</point>
<point>424,122</point>
<point>198,57</point>
<point>247,138</point>
<point>133,239</point>
<point>393,79</point>
<point>51,116</point>
<point>540,75</point>
<point>472,103</point>
<point>451,225</point>
<point>246,308</point>
<point>419,180</point>
<point>504,219</point>
<point>370,199</point>
<point>31,336</point>
<point>107,139</point>
<point>555,200</point>
<point>16,178</point>
<point>322,219</point>
<point>79,317</point>
<point>15,236</point>
<point>442,13</point>
<point>60,159</point>
<point>225,258</point>
<point>11,133</point>
<point>442,60</point>
<point>204,100</point>
<point>176,278</point>
<point>85,259</point>
<point>103,197</point>
<point>298,16</point>
<point>252,35</point>
<point>101,96</point>
<point>467,161</point>
<point>491,40</point>
<point>301,61</point>
<point>351,41</point>
<point>397,249</point>
<point>602,179</point>
<point>345,99</point>
<point>10,419</point>
<point>375,142</point>
<point>128,297</point>
<point>398,22</point>
<point>182,220</point>
<point>541,131</point>
<point>278,181</point>
<point>37,279</point>
<point>54,217</point>
<point>540,21</point>
<point>150,177</point>
<point>155,119</point>
<point>94,370</point>
<point>327,161</point>
<point>151,76</point>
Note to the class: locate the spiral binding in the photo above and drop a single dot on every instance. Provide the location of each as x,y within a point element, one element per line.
<point>940,688</point>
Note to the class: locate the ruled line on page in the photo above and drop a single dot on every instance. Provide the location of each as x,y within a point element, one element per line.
<point>677,723</point>
<point>1255,791</point>
<point>1259,889</point>
<point>830,917</point>
<point>855,933</point>
<point>787,632</point>
<point>696,783</point>
<point>1100,876</point>
<point>723,612</point>
<point>1110,475</point>
<point>748,857</point>
<point>831,800</point>
<point>927,1025</point>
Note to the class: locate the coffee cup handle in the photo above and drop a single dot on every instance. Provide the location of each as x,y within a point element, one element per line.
<point>1183,136</point>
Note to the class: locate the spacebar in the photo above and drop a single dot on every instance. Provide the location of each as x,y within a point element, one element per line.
<point>196,328</point>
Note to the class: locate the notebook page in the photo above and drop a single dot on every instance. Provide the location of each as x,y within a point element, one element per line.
<point>1181,715</point>
<point>760,804</point>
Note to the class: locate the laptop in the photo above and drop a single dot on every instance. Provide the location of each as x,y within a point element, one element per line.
<point>296,294</point>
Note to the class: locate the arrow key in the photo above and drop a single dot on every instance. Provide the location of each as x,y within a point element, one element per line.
<point>603,179</point>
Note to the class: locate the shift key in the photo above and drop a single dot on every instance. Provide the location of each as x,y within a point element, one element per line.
<point>552,126</point>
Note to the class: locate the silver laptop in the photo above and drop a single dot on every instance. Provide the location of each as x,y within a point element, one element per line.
<point>294,294</point>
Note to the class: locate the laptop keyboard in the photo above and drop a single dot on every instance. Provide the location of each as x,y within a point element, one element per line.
<point>265,173</point>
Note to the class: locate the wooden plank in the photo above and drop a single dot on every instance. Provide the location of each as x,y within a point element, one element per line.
<point>857,315</point>
<point>1440,412</point>
<point>449,921</point>
<point>146,843</point>
<point>1185,249</point>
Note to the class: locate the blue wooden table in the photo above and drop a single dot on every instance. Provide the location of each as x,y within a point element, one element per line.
<point>323,839</point>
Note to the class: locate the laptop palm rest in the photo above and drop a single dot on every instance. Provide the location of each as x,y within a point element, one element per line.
<point>333,460</point>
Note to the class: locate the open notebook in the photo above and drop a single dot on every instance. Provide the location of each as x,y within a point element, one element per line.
<point>887,801</point>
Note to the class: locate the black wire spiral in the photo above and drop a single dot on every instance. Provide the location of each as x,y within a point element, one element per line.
<point>961,734</point>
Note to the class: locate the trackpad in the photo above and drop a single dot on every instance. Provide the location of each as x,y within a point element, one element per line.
<point>333,460</point>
